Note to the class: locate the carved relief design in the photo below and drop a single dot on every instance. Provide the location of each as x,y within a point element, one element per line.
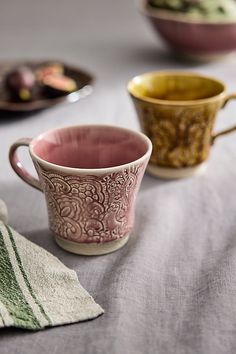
<point>91,208</point>
<point>181,136</point>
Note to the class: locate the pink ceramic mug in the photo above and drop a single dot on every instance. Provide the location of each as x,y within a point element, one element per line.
<point>90,176</point>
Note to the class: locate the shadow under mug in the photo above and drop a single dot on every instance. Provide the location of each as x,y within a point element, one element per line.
<point>177,111</point>
<point>90,176</point>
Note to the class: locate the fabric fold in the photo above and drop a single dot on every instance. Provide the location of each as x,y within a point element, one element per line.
<point>36,289</point>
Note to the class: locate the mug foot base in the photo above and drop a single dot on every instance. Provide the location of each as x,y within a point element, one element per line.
<point>174,173</point>
<point>91,249</point>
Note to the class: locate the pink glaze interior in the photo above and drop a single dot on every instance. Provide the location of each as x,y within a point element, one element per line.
<point>90,147</point>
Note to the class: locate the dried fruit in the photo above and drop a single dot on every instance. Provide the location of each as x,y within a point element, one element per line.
<point>58,85</point>
<point>20,83</point>
<point>49,69</point>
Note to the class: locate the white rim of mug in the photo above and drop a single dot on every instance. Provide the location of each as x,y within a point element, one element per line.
<point>91,170</point>
<point>171,102</point>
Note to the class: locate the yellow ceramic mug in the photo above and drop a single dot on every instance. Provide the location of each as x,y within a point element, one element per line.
<point>177,111</point>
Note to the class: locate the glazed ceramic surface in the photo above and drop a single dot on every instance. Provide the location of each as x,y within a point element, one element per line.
<point>90,176</point>
<point>177,111</point>
<point>192,36</point>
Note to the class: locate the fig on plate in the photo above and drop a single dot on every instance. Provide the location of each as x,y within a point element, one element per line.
<point>20,83</point>
<point>49,69</point>
<point>58,85</point>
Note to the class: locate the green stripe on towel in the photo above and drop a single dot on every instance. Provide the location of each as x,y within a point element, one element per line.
<point>11,295</point>
<point>25,277</point>
<point>36,289</point>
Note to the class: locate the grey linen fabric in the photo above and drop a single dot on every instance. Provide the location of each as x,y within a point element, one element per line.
<point>172,288</point>
<point>36,289</point>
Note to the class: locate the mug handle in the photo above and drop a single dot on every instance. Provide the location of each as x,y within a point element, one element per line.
<point>18,167</point>
<point>229,130</point>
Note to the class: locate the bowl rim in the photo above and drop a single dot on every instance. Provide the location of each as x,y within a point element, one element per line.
<point>150,11</point>
<point>200,101</point>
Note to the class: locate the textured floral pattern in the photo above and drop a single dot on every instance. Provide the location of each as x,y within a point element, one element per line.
<point>181,136</point>
<point>91,208</point>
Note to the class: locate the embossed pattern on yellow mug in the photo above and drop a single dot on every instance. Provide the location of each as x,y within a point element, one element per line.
<point>177,111</point>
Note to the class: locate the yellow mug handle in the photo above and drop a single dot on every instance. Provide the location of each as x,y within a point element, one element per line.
<point>229,130</point>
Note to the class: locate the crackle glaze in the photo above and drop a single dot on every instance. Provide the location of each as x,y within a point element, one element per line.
<point>91,208</point>
<point>90,176</point>
<point>177,111</point>
<point>181,136</point>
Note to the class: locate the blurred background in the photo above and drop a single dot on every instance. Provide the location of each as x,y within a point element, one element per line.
<point>110,39</point>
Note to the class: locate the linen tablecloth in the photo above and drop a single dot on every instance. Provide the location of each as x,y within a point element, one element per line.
<point>172,288</point>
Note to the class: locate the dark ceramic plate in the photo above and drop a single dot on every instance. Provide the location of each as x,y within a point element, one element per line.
<point>40,101</point>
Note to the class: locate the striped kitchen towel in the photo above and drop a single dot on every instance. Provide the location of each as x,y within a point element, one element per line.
<point>36,289</point>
